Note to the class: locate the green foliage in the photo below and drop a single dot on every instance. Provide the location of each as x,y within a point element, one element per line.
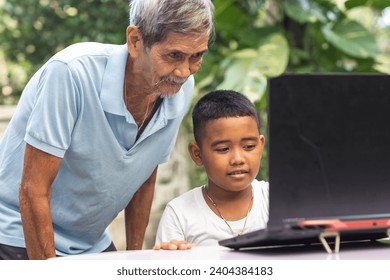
<point>247,69</point>
<point>379,4</point>
<point>31,31</point>
<point>351,38</point>
<point>35,29</point>
<point>294,36</point>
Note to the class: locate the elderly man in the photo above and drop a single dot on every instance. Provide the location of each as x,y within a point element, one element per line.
<point>91,128</point>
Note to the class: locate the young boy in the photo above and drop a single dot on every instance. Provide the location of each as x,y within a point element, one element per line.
<point>229,147</point>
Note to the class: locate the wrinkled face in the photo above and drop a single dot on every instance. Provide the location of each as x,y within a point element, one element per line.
<point>230,152</point>
<point>168,64</point>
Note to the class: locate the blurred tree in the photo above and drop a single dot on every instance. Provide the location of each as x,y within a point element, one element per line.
<point>35,29</point>
<point>31,31</point>
<point>261,39</point>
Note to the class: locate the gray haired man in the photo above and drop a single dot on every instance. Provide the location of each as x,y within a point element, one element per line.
<point>91,128</point>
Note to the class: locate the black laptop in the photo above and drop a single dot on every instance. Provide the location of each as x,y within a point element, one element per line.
<point>329,161</point>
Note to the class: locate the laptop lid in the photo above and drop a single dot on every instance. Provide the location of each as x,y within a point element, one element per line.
<point>329,147</point>
<point>329,159</point>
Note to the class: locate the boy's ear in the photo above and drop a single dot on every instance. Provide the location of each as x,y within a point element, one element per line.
<point>134,41</point>
<point>262,141</point>
<point>195,154</point>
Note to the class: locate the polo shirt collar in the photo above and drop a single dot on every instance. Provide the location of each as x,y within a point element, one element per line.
<point>111,95</point>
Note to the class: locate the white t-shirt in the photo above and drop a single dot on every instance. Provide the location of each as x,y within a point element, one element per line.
<point>189,218</point>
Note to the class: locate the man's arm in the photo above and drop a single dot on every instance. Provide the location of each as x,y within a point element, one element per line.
<point>39,172</point>
<point>137,213</point>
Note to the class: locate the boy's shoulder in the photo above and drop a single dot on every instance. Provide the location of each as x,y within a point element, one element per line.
<point>260,184</point>
<point>260,188</point>
<point>187,198</point>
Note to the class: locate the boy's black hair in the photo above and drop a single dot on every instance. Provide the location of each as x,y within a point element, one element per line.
<point>221,104</point>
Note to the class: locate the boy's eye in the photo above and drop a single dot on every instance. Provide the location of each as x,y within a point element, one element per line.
<point>249,147</point>
<point>221,149</point>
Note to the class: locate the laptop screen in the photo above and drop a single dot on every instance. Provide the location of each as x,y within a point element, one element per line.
<point>329,146</point>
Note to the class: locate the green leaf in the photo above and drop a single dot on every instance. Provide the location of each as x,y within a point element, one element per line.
<point>242,76</point>
<point>247,70</point>
<point>304,11</point>
<point>229,18</point>
<point>379,4</point>
<point>273,55</point>
<point>351,38</point>
<point>383,64</point>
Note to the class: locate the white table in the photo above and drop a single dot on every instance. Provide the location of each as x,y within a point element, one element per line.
<point>354,261</point>
<point>348,251</point>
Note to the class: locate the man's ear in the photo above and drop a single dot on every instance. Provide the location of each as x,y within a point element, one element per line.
<point>195,154</point>
<point>134,41</point>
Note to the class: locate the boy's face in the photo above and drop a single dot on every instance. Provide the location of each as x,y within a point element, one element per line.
<point>230,151</point>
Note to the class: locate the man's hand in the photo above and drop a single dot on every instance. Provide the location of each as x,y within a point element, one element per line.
<point>174,245</point>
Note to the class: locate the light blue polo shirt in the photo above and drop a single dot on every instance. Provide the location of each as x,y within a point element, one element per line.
<point>73,108</point>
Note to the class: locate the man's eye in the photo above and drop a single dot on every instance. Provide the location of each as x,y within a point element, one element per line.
<point>175,55</point>
<point>198,55</point>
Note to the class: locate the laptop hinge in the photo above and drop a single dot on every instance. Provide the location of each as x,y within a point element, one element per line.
<point>335,226</point>
<point>336,235</point>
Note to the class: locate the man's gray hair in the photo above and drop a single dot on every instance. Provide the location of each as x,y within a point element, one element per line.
<point>155,18</point>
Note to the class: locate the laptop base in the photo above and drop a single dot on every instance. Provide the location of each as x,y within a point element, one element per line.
<point>295,236</point>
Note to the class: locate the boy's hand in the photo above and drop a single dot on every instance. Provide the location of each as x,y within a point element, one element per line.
<point>174,245</point>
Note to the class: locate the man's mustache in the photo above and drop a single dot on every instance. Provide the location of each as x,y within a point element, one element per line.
<point>172,79</point>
